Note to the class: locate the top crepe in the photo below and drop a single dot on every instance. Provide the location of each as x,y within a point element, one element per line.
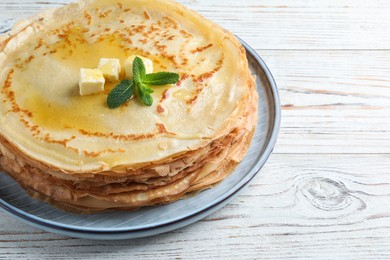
<point>45,119</point>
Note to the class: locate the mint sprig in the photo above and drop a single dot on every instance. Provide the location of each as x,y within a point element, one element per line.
<point>140,83</point>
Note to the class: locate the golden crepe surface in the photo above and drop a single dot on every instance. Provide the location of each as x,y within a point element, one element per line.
<point>75,152</point>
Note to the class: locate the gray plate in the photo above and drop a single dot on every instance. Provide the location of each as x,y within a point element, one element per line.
<point>154,220</point>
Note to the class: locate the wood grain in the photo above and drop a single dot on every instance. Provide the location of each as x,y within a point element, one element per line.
<point>300,206</point>
<point>325,192</point>
<point>333,101</point>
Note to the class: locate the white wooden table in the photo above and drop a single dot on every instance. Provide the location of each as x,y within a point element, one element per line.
<point>325,191</point>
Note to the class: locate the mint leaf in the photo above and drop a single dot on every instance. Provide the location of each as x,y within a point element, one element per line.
<point>161,78</point>
<point>147,99</point>
<point>144,94</point>
<point>139,71</point>
<point>120,94</point>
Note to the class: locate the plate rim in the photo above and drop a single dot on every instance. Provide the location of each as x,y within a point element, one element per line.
<point>263,157</point>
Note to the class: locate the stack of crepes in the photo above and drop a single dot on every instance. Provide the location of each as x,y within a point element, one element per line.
<point>75,152</point>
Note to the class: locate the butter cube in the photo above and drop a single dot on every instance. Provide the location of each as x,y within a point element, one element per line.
<point>129,65</point>
<point>110,68</point>
<point>91,81</point>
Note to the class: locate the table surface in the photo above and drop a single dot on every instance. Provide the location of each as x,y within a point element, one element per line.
<point>325,191</point>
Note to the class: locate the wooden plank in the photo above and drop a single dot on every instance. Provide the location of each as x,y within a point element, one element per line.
<point>332,101</point>
<point>274,24</point>
<point>299,206</point>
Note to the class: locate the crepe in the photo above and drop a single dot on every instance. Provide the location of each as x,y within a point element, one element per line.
<point>75,152</point>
